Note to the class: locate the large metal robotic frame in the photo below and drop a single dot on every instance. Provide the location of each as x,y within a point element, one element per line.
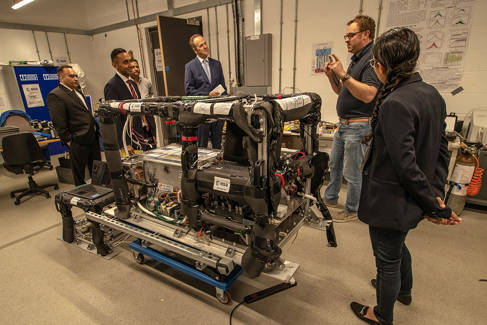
<point>239,209</point>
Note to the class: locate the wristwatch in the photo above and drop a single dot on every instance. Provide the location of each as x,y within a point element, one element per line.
<point>346,77</point>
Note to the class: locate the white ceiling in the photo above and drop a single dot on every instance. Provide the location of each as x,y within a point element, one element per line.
<point>67,13</point>
<point>79,14</point>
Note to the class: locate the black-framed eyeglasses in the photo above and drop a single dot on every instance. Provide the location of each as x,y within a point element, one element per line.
<point>351,35</point>
<point>372,62</point>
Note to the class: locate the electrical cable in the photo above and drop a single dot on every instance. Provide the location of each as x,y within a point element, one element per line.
<point>124,141</point>
<point>146,210</point>
<point>233,310</point>
<point>256,296</point>
<point>476,182</point>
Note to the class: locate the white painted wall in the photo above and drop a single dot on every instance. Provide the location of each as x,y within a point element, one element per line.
<point>318,21</point>
<point>103,44</point>
<point>17,45</point>
<point>322,21</point>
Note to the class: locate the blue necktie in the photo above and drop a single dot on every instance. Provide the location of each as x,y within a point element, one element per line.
<point>206,67</point>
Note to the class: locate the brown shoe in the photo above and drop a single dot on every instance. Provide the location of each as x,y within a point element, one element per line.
<point>345,216</point>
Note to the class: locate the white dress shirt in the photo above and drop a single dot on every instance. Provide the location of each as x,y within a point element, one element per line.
<point>207,63</point>
<point>77,92</point>
<point>125,81</point>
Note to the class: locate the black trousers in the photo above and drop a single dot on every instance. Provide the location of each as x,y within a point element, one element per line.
<point>394,272</point>
<point>211,131</point>
<point>82,155</point>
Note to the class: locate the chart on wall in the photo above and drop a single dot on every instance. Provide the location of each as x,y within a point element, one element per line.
<point>321,51</point>
<point>443,27</point>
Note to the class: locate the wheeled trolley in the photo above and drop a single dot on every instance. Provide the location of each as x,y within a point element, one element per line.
<point>221,286</point>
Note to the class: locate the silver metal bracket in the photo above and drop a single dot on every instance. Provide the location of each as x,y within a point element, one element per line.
<point>230,252</point>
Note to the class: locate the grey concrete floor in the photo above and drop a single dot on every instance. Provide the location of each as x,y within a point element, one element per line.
<point>46,281</point>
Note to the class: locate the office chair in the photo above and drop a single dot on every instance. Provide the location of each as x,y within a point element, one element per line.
<point>22,153</point>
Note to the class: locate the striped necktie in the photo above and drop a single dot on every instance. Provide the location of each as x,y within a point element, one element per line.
<point>131,84</point>
<point>206,67</point>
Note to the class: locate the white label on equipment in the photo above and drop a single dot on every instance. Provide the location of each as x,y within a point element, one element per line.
<point>221,184</point>
<point>114,105</point>
<point>135,107</point>
<point>222,108</point>
<point>293,102</point>
<point>202,108</point>
<point>165,187</point>
<point>74,201</point>
<point>462,174</point>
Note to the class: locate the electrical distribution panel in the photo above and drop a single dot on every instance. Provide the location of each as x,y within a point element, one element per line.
<point>258,60</point>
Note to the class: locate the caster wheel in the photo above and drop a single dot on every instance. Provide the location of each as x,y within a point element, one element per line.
<point>139,258</point>
<point>17,202</point>
<point>12,195</point>
<point>224,298</point>
<point>56,187</point>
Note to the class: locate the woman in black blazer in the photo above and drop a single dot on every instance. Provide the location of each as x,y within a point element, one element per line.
<point>405,170</point>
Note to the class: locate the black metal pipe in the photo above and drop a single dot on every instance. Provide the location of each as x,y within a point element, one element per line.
<point>222,221</point>
<point>114,161</point>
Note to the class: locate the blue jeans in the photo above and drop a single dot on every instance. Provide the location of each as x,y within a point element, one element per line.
<point>394,272</point>
<point>346,158</point>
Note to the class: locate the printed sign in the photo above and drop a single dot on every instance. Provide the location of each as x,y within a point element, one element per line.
<point>33,96</point>
<point>28,77</point>
<point>50,76</point>
<point>158,59</point>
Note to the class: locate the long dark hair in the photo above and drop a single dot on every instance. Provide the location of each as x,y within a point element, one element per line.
<point>397,50</point>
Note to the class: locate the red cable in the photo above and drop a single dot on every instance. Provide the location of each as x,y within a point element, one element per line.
<point>476,183</point>
<point>282,179</point>
<point>302,155</point>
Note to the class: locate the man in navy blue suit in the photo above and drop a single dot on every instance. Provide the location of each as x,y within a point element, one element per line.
<point>120,87</point>
<point>203,76</point>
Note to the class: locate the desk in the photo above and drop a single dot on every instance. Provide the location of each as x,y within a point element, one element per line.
<point>44,142</point>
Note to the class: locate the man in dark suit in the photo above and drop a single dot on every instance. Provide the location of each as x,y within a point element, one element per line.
<point>203,76</point>
<point>74,123</point>
<point>121,86</point>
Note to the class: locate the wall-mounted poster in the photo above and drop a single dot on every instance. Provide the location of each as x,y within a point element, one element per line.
<point>321,51</point>
<point>443,28</point>
<point>33,96</point>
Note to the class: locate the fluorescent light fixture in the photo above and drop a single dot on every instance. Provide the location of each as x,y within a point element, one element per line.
<point>21,4</point>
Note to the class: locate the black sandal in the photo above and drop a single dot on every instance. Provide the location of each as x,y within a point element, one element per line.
<point>360,311</point>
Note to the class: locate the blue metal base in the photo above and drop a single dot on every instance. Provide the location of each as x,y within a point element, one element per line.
<point>147,251</point>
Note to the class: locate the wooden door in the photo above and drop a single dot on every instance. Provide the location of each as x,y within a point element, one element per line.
<point>173,34</point>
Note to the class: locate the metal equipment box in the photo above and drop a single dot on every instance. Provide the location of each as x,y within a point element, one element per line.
<point>164,165</point>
